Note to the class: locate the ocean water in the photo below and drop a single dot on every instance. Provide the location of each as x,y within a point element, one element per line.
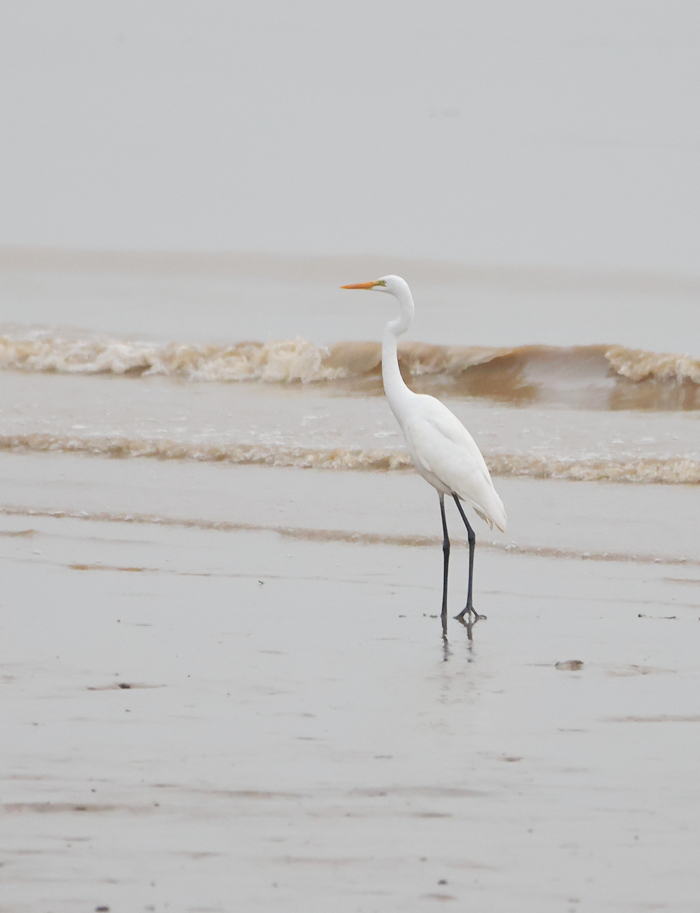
<point>265,360</point>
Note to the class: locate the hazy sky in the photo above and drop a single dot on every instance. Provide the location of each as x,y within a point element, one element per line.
<point>558,133</point>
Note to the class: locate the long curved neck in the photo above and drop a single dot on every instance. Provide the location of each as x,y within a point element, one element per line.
<point>396,390</point>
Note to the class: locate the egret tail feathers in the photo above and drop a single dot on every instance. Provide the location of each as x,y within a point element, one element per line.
<point>500,521</point>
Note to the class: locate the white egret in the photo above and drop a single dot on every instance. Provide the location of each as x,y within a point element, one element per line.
<point>441,448</point>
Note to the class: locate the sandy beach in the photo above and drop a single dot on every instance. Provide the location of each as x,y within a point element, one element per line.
<point>223,689</point>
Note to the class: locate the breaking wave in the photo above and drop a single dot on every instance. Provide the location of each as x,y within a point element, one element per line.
<point>593,377</point>
<point>672,470</point>
<point>288,360</point>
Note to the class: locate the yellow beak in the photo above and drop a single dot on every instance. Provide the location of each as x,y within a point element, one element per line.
<point>366,285</point>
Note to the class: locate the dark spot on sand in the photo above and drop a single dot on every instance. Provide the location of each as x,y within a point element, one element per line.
<point>431,815</point>
<point>52,807</point>
<point>122,686</point>
<point>569,665</point>
<point>658,617</point>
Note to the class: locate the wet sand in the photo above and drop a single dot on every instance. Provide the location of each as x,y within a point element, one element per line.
<point>263,716</point>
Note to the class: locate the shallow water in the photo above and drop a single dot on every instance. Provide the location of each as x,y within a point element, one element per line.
<point>228,298</point>
<point>110,358</point>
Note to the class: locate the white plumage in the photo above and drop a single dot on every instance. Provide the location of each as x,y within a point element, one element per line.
<point>446,455</point>
<point>441,448</point>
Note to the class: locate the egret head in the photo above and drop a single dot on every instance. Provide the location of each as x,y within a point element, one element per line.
<point>395,285</point>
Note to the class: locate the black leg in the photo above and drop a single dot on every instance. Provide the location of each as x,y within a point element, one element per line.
<point>446,563</point>
<point>469,608</point>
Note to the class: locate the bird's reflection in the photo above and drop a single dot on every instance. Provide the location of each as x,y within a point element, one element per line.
<point>468,623</point>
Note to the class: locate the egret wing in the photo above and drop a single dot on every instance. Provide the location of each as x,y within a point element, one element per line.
<point>445,448</point>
